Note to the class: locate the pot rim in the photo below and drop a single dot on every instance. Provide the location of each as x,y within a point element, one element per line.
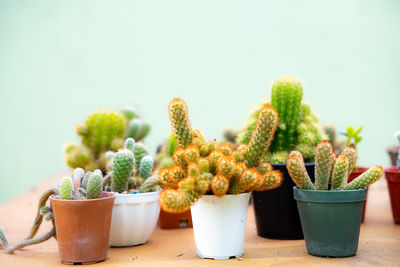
<point>392,169</point>
<point>225,196</point>
<point>284,164</point>
<point>329,196</point>
<point>131,195</point>
<point>107,195</point>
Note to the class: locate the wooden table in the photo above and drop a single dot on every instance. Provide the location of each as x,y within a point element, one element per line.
<point>379,241</point>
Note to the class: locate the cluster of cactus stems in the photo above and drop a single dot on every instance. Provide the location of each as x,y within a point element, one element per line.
<point>129,168</point>
<point>202,167</point>
<point>101,132</point>
<point>331,172</point>
<point>297,127</point>
<point>78,187</point>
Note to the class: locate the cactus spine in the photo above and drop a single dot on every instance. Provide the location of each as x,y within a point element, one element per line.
<point>201,167</point>
<point>326,169</point>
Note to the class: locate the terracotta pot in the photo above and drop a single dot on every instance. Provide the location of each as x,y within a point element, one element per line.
<point>392,175</point>
<point>393,152</point>
<point>83,228</point>
<point>354,175</point>
<point>175,220</point>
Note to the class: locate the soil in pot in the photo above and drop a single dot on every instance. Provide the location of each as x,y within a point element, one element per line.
<point>353,175</point>
<point>134,218</point>
<point>392,175</point>
<point>276,211</point>
<point>175,220</point>
<point>83,228</point>
<point>219,225</point>
<point>330,220</point>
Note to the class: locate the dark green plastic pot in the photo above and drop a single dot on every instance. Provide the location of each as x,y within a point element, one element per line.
<point>330,220</point>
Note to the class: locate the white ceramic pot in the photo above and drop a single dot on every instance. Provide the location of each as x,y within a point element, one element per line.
<point>134,218</point>
<point>219,225</point>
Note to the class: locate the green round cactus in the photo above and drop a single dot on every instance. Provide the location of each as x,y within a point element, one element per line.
<point>66,189</point>
<point>101,130</point>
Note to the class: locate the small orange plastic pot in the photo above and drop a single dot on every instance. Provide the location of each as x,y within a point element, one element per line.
<point>83,228</point>
<point>175,220</point>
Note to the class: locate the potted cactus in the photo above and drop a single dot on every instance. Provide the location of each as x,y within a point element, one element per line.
<point>276,211</point>
<point>215,181</point>
<point>103,131</point>
<point>81,216</point>
<point>331,208</point>
<point>392,175</point>
<point>136,208</point>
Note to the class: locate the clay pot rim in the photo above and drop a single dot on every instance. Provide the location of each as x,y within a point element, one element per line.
<point>392,170</point>
<point>106,196</point>
<point>393,148</point>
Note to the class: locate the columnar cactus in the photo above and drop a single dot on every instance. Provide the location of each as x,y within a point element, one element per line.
<point>101,132</point>
<point>326,169</point>
<point>201,167</point>
<point>297,128</point>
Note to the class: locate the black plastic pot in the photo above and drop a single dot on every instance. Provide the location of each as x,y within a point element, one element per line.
<point>331,220</point>
<point>276,210</point>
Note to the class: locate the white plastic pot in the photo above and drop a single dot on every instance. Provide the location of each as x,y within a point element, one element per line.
<point>219,225</point>
<point>134,218</point>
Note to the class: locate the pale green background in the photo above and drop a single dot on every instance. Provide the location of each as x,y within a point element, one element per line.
<point>61,59</point>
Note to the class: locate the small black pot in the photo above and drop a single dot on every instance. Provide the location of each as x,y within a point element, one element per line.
<point>276,211</point>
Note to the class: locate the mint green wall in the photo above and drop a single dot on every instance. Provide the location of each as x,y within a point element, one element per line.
<point>61,59</point>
